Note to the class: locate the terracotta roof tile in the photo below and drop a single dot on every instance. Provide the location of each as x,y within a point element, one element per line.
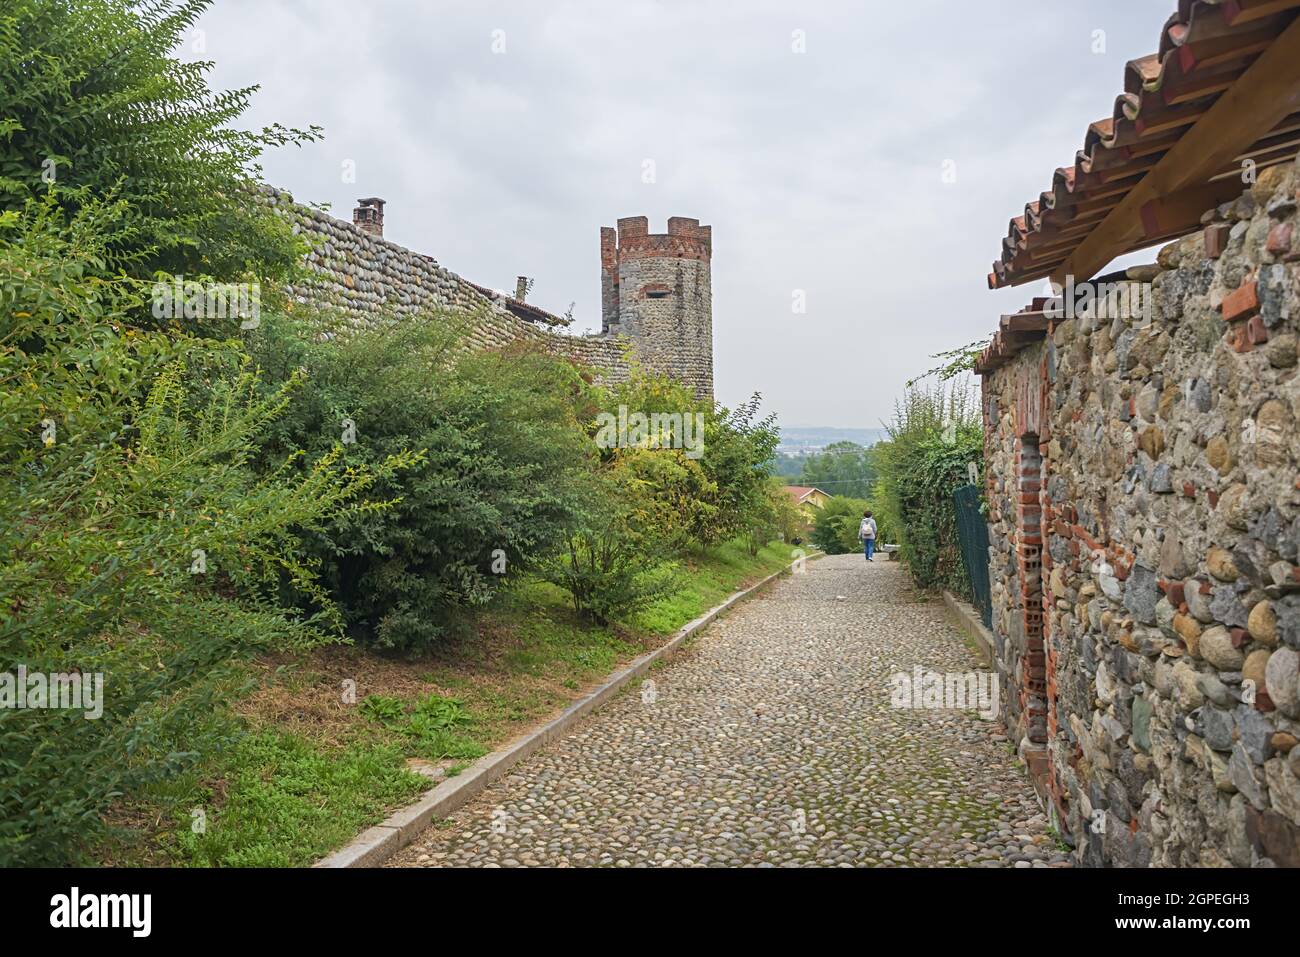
<point>801,492</point>
<point>525,310</point>
<point>1204,47</point>
<point>1014,333</point>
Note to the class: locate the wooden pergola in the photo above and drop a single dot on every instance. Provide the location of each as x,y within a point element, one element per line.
<point>1219,102</point>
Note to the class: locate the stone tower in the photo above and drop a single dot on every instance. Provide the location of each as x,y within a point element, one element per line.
<point>655,290</point>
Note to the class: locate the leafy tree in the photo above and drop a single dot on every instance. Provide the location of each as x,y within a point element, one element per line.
<point>93,105</point>
<point>739,446</point>
<point>843,468</point>
<point>788,468</point>
<point>134,543</point>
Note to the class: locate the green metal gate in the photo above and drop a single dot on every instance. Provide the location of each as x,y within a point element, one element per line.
<point>973,534</point>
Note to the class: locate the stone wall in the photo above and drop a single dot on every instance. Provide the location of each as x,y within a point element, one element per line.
<point>656,290</point>
<point>360,275</point>
<point>1144,509</point>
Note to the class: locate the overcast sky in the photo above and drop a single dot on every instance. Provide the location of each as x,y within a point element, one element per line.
<point>505,134</point>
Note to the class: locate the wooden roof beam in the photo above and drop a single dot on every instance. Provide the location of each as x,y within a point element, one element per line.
<point>1243,11</point>
<point>1266,94</point>
<point>1183,211</point>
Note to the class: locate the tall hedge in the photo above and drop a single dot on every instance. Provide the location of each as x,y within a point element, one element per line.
<point>934,437</point>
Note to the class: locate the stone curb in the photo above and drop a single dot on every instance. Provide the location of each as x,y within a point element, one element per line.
<point>377,844</point>
<point>972,625</point>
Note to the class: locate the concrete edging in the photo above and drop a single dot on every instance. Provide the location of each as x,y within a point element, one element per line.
<point>377,844</point>
<point>973,626</point>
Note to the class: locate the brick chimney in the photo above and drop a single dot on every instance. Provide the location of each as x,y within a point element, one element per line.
<point>369,215</point>
<point>521,288</point>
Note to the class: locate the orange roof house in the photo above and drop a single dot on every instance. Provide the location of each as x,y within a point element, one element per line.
<point>804,495</point>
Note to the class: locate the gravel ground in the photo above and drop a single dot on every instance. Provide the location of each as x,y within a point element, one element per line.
<point>772,741</point>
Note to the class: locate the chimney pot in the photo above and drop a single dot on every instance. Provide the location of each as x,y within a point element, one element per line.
<point>521,288</point>
<point>369,215</point>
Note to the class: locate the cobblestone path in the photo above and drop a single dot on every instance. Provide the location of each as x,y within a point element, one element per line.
<point>772,741</point>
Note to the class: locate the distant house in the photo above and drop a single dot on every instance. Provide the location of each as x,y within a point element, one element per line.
<point>808,499</point>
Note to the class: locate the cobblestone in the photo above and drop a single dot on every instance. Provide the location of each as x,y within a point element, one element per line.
<point>772,741</point>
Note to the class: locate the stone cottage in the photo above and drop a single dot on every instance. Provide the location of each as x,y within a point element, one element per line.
<point>1143,461</point>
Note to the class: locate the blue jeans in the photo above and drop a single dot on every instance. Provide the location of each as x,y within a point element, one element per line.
<point>869,547</point>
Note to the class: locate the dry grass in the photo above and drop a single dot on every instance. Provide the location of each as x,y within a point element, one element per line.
<point>304,694</point>
<point>523,661</point>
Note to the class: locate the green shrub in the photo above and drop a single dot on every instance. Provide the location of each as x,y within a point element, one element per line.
<point>614,562</point>
<point>658,495</point>
<point>934,437</point>
<point>680,504</point>
<point>134,542</point>
<point>503,463</point>
<point>703,496</point>
<point>836,529</point>
<point>775,517</point>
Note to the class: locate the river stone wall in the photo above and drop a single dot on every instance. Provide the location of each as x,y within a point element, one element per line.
<point>1145,525</point>
<point>361,276</point>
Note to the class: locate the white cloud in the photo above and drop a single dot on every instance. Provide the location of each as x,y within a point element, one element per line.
<point>818,171</point>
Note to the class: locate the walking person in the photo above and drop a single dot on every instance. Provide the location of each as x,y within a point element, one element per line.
<point>867,534</point>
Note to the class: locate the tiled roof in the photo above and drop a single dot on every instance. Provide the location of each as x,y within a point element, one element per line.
<point>1204,48</point>
<point>800,492</point>
<point>1014,333</point>
<point>526,310</point>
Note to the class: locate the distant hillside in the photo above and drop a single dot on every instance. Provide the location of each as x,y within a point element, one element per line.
<point>802,459</point>
<point>795,439</point>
